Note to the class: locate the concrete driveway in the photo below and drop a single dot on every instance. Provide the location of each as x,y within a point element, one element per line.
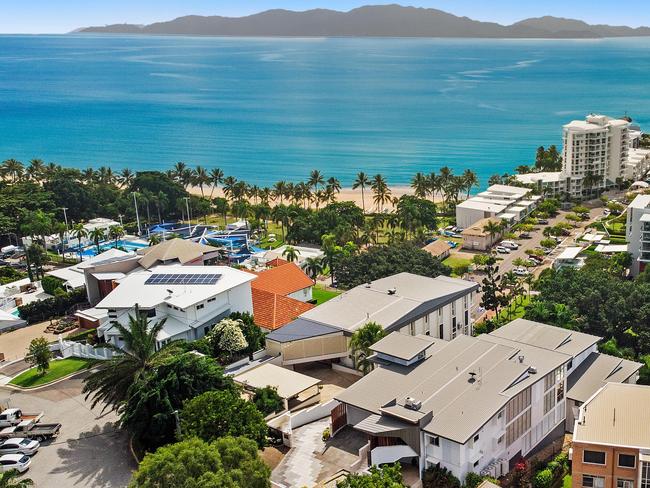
<point>14,344</point>
<point>89,452</point>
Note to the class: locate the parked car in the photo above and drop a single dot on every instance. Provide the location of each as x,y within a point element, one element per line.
<point>536,259</point>
<point>20,445</point>
<point>542,221</point>
<point>502,250</point>
<point>524,235</point>
<point>520,271</point>
<point>14,416</point>
<point>19,462</point>
<point>532,262</point>
<point>510,244</point>
<point>29,429</point>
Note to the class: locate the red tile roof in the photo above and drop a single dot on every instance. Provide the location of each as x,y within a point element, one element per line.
<point>282,280</point>
<point>274,263</point>
<point>271,310</point>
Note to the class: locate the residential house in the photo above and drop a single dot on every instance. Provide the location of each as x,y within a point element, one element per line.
<point>477,239</point>
<point>73,277</point>
<point>439,307</point>
<point>569,258</point>
<point>438,249</point>
<point>611,439</point>
<point>191,299</point>
<point>509,203</point>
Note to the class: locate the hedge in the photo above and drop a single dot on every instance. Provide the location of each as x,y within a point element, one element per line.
<point>41,310</point>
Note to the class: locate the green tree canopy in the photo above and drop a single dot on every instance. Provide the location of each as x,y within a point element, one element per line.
<point>387,476</point>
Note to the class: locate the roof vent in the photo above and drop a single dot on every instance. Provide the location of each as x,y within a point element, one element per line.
<point>532,370</point>
<point>412,404</point>
<point>521,359</point>
<point>472,377</point>
<point>392,291</point>
<point>368,284</point>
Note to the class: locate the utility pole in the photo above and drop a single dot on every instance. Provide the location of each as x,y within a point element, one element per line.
<point>137,215</point>
<point>67,229</point>
<point>189,217</point>
<point>121,222</point>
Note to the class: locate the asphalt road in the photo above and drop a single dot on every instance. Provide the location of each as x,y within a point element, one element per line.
<point>89,451</point>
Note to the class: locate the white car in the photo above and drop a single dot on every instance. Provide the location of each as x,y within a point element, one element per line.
<point>19,462</point>
<point>520,271</point>
<point>502,250</point>
<point>510,244</point>
<point>19,445</point>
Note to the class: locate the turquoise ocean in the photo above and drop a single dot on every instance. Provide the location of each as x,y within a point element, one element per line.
<point>270,109</point>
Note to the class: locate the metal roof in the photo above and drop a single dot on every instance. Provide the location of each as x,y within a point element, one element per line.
<point>402,346</point>
<point>617,415</point>
<point>300,329</point>
<point>288,383</point>
<point>378,424</point>
<point>595,372</point>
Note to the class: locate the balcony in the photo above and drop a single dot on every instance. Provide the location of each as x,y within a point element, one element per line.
<point>390,454</point>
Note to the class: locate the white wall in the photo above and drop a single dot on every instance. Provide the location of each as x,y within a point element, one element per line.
<point>430,324</point>
<point>303,295</point>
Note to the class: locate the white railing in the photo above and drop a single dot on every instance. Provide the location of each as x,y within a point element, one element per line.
<point>312,414</point>
<point>390,454</point>
<point>76,349</point>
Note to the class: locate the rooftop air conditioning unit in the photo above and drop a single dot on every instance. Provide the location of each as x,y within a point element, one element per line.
<point>392,291</point>
<point>412,404</point>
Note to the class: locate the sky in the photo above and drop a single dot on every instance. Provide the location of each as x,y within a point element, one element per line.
<point>60,16</point>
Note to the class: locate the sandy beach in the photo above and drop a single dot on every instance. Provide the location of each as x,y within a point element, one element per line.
<point>346,195</point>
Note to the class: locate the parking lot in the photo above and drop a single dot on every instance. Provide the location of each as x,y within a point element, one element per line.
<point>89,451</point>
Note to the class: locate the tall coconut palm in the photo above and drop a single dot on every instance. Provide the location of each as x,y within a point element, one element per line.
<point>315,178</point>
<point>154,239</point>
<point>79,232</point>
<point>10,479</point>
<point>115,232</point>
<point>97,235</point>
<point>13,168</point>
<point>280,213</point>
<point>313,267</point>
<point>493,229</point>
<point>420,185</point>
<point>36,170</point>
<point>110,381</point>
<point>221,207</point>
<point>229,183</point>
<point>361,181</point>
<point>200,178</point>
<point>216,177</point>
<point>380,190</point>
<point>179,170</point>
<point>361,342</point>
<point>88,175</point>
<point>280,190</point>
<point>470,179</point>
<point>126,177</point>
<point>290,253</point>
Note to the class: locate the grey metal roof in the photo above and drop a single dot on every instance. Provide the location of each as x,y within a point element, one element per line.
<point>546,336</point>
<point>300,329</point>
<point>378,424</point>
<point>402,346</point>
<point>595,372</point>
<point>460,403</point>
<point>413,297</point>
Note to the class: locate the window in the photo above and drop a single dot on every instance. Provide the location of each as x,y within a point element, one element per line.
<point>621,483</point>
<point>560,392</point>
<point>589,481</point>
<point>476,437</point>
<point>412,328</point>
<point>645,475</point>
<point>453,308</point>
<point>466,317</point>
<point>442,329</point>
<point>549,401</point>
<point>212,299</point>
<point>199,307</point>
<point>435,441</point>
<point>476,464</point>
<point>627,461</point>
<point>500,440</point>
<point>569,365</point>
<point>500,414</point>
<point>593,457</point>
<point>206,330</point>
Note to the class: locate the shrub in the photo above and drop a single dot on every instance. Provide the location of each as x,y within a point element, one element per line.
<point>267,400</point>
<point>51,284</point>
<point>472,480</point>
<point>41,310</point>
<point>326,434</point>
<point>543,479</point>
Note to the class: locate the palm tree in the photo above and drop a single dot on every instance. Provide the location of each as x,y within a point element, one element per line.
<point>333,187</point>
<point>290,253</point>
<point>201,178</point>
<point>9,479</point>
<point>280,190</point>
<point>97,235</point>
<point>420,184</point>
<point>280,213</point>
<point>361,342</point>
<point>221,206</point>
<point>229,183</point>
<point>493,229</point>
<point>36,170</point>
<point>88,175</point>
<point>470,179</point>
<point>115,232</point>
<point>361,181</point>
<point>315,178</point>
<point>126,177</point>
<point>381,191</point>
<point>313,267</point>
<point>13,168</point>
<point>109,383</point>
<point>435,184</point>
<point>154,239</point>
<point>79,232</point>
<point>179,171</point>
<point>216,177</point>
<point>60,229</point>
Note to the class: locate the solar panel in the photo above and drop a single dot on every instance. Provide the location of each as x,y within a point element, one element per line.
<point>182,279</point>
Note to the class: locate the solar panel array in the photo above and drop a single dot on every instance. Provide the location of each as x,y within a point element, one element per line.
<point>182,279</point>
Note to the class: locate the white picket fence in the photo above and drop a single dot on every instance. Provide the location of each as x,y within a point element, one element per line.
<point>76,349</point>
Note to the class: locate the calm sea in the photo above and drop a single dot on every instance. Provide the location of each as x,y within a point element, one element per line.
<point>269,109</point>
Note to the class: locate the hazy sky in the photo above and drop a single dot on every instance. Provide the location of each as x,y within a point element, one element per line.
<point>54,16</point>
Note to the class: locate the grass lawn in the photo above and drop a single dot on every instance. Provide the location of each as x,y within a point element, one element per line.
<point>516,311</point>
<point>58,369</point>
<point>321,295</point>
<point>566,482</point>
<point>453,261</point>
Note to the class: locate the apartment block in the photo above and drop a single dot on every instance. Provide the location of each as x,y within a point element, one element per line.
<point>611,439</point>
<point>638,232</point>
<point>509,203</point>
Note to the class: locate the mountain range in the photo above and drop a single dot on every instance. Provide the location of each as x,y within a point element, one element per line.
<point>370,21</point>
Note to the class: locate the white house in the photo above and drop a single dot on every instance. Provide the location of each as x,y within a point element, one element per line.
<point>510,203</point>
<point>191,299</point>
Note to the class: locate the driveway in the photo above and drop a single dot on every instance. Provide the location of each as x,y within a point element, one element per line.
<point>89,452</point>
<point>14,344</point>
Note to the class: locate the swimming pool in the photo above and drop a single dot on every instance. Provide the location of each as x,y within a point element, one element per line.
<point>128,245</point>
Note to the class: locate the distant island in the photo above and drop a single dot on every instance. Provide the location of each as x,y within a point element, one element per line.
<point>370,21</point>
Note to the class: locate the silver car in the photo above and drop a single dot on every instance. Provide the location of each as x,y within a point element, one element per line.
<point>19,445</point>
<point>19,462</point>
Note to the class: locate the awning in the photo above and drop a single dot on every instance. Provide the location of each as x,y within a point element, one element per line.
<point>109,276</point>
<point>379,424</point>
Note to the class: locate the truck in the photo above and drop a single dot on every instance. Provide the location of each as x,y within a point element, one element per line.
<point>14,416</point>
<point>30,429</point>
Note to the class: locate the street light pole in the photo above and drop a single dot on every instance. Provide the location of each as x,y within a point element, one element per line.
<point>189,218</point>
<point>67,237</point>
<point>137,215</point>
<point>121,222</point>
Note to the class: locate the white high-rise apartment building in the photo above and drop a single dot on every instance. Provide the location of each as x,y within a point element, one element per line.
<point>597,146</point>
